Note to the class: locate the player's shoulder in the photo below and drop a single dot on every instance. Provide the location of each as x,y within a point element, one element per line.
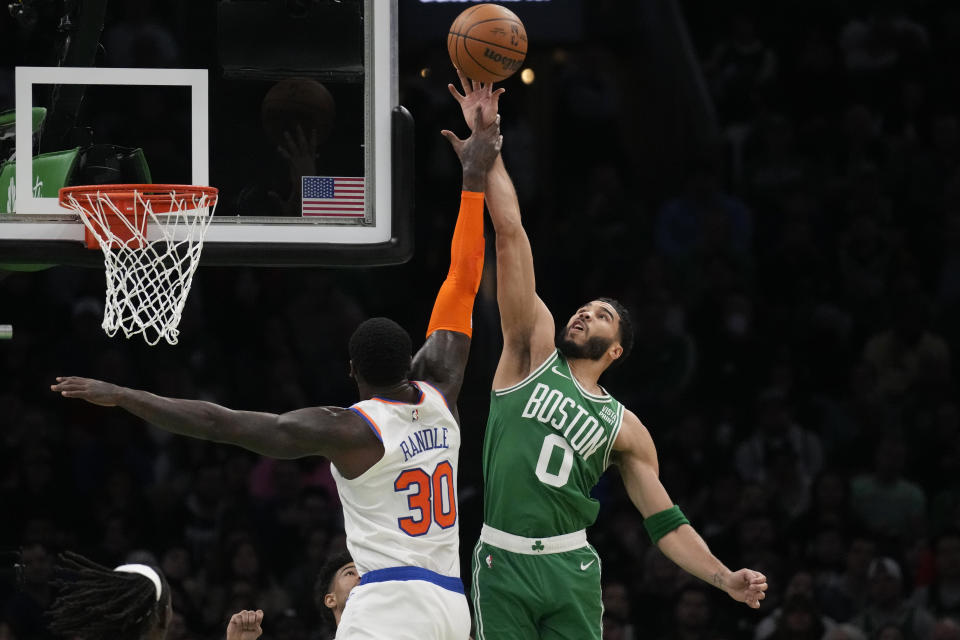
<point>633,435</point>
<point>432,392</point>
<point>520,365</point>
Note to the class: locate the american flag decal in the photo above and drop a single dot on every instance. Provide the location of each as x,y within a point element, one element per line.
<point>333,196</point>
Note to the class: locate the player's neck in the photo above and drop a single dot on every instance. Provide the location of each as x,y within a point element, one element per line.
<point>403,391</point>
<point>587,372</point>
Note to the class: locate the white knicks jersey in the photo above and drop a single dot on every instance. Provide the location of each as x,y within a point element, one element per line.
<point>402,511</point>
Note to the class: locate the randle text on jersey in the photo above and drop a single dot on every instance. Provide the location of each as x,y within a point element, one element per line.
<point>424,440</point>
<point>566,415</point>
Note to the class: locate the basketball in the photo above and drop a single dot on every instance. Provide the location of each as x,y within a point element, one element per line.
<point>298,101</point>
<point>487,43</point>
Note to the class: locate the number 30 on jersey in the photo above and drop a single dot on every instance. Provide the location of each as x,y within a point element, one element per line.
<point>432,496</point>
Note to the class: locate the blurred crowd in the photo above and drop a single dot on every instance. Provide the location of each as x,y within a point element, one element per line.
<point>796,296</point>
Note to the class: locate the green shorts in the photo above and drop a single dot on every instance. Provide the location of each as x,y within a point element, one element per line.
<point>553,596</point>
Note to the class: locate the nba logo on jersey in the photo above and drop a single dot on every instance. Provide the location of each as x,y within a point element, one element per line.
<point>415,415</point>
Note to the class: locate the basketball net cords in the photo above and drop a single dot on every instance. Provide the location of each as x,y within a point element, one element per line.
<point>147,281</point>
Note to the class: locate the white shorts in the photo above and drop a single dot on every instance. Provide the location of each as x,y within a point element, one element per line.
<point>404,610</point>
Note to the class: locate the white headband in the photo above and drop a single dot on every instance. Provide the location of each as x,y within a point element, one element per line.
<point>145,571</point>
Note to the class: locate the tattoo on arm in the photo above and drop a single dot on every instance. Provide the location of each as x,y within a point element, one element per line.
<point>718,580</point>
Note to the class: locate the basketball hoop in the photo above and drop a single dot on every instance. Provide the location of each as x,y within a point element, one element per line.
<point>151,236</point>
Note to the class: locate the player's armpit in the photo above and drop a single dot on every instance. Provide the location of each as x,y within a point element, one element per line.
<point>441,361</point>
<point>525,350</point>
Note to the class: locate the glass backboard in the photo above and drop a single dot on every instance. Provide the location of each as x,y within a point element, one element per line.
<point>289,108</point>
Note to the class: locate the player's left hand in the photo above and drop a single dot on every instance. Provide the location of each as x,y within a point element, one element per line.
<point>245,625</point>
<point>299,149</point>
<point>747,586</point>
<point>477,94</point>
<point>95,391</point>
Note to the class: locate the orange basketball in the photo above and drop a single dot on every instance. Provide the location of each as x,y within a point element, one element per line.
<point>487,43</point>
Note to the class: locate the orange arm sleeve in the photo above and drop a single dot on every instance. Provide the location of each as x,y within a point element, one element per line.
<point>453,310</point>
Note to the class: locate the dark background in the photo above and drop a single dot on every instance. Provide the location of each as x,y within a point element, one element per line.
<point>777,199</point>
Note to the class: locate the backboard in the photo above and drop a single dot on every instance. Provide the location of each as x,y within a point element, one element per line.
<point>288,107</point>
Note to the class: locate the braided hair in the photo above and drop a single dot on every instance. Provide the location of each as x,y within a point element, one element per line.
<point>98,603</point>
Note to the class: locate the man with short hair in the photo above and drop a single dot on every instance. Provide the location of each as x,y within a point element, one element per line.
<point>393,455</point>
<point>336,580</point>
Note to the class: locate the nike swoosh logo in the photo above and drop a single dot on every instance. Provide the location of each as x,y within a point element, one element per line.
<point>584,567</point>
<point>559,373</point>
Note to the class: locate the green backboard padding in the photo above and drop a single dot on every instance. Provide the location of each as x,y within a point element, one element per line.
<point>53,170</point>
<point>9,117</point>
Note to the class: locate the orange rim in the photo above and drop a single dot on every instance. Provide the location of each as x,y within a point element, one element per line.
<point>123,193</point>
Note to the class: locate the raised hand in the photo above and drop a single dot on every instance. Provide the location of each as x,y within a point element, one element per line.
<point>478,152</point>
<point>477,94</point>
<point>299,149</point>
<point>94,391</point>
<point>245,625</point>
<point>747,586</point>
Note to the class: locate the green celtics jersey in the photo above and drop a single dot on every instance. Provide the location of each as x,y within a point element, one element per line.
<point>547,443</point>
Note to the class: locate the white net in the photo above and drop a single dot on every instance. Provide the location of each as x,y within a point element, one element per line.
<point>150,257</point>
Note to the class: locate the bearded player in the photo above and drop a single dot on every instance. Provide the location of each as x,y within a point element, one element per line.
<point>551,432</point>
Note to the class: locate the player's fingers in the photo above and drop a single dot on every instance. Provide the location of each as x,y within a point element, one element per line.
<point>464,82</point>
<point>236,619</point>
<point>456,94</point>
<point>452,139</point>
<point>499,92</point>
<point>259,615</point>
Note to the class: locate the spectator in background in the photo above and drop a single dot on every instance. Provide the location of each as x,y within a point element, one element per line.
<point>777,439</point>
<point>740,69</point>
<point>666,358</point>
<point>842,596</point>
<point>247,577</point>
<point>797,617</point>
<point>888,504</point>
<point>844,632</point>
<point>942,596</point>
<point>910,346</point>
<point>24,612</point>
<point>946,629</point>
<point>887,605</point>
<point>616,608</point>
<point>800,620</point>
<point>186,590</point>
<point>703,220</point>
<point>693,615</point>
<point>885,40</point>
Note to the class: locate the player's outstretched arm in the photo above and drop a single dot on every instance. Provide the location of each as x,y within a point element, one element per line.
<point>527,325</point>
<point>245,625</point>
<point>443,357</point>
<point>636,458</point>
<point>325,431</point>
<point>526,322</point>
